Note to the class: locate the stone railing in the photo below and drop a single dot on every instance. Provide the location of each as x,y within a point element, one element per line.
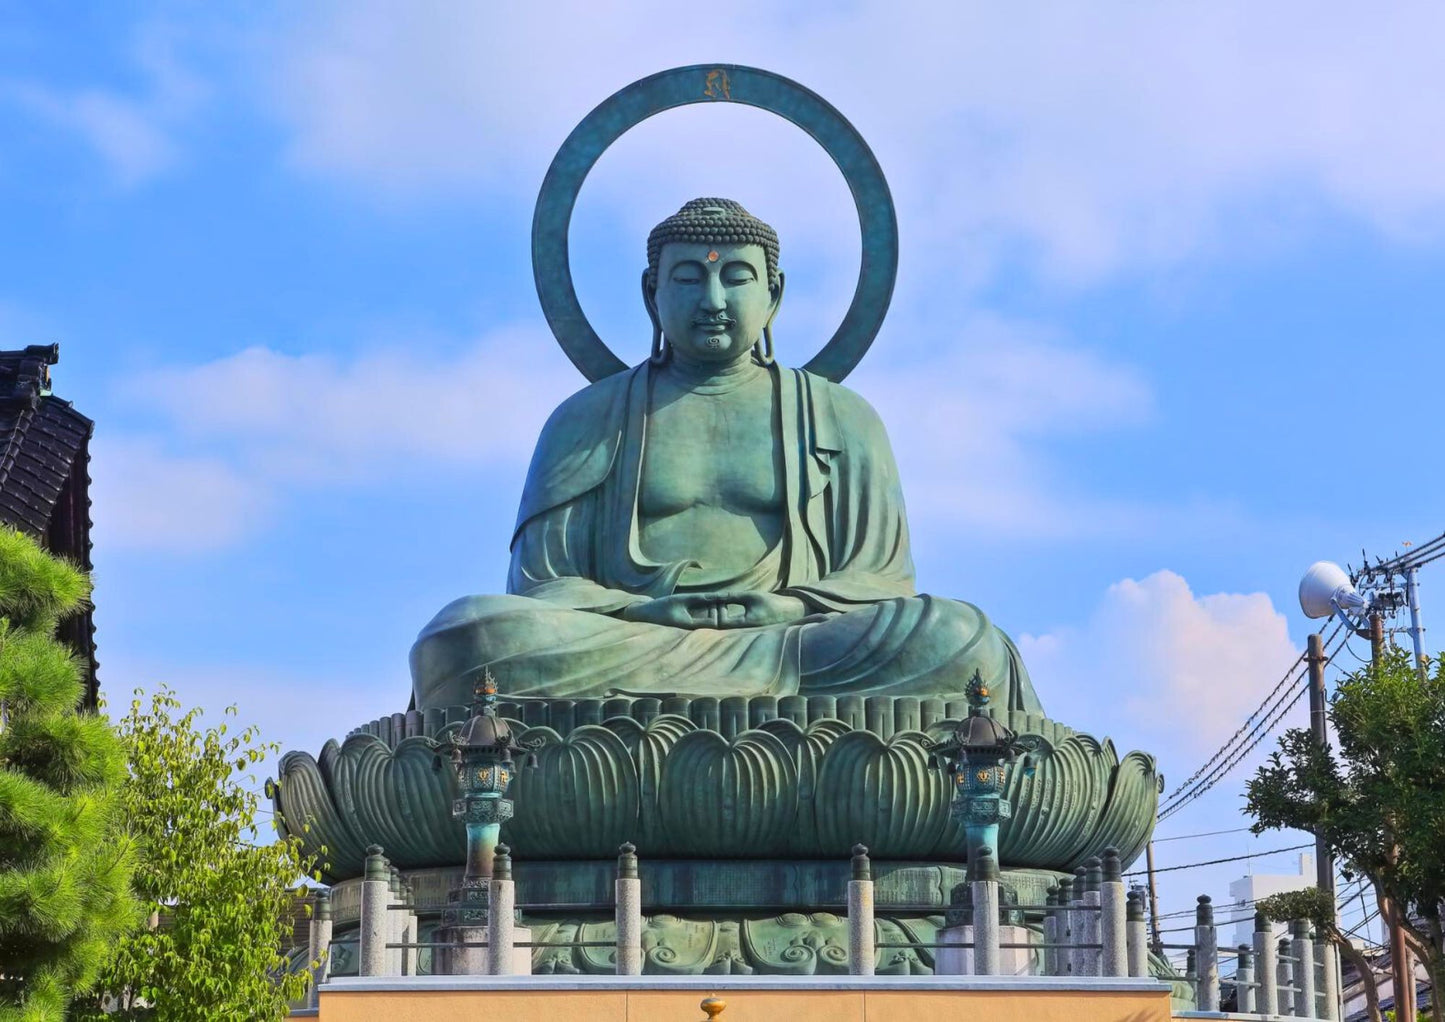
<point>1093,928</point>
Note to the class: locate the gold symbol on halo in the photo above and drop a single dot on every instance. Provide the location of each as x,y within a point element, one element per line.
<point>716,85</point>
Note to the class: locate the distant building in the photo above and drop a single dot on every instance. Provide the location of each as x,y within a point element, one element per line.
<point>1244,892</point>
<point>45,477</point>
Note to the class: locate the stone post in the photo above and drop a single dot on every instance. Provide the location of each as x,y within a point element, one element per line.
<point>501,915</point>
<point>1244,994</point>
<point>1078,924</point>
<point>862,952</point>
<point>1093,924</point>
<point>1113,921</point>
<point>1284,976</point>
<point>628,912</point>
<point>984,889</point>
<point>396,917</point>
<point>375,928</point>
<point>320,946</point>
<point>1051,931</point>
<point>1329,955</point>
<point>468,956</point>
<point>1266,968</point>
<point>413,929</point>
<point>1304,969</point>
<point>1064,956</point>
<point>1206,944</point>
<point>1138,935</point>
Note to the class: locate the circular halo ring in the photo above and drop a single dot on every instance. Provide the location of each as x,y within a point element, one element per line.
<point>711,83</point>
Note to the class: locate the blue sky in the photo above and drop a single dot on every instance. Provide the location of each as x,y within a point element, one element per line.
<point>1165,331</point>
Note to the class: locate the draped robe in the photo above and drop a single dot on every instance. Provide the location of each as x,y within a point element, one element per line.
<point>577,562</point>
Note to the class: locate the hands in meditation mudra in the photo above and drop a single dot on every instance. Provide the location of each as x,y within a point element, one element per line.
<point>710,523</point>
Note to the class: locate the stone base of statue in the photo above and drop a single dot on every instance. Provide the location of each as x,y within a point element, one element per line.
<point>744,812</point>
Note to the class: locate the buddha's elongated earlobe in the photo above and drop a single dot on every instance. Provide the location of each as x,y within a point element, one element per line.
<point>763,347</point>
<point>660,351</point>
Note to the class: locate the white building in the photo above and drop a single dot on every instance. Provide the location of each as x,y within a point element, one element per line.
<point>1247,890</point>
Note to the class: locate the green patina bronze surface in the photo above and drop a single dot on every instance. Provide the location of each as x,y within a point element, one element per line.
<point>712,523</point>
<point>714,83</point>
<point>791,787</point>
<point>710,627</point>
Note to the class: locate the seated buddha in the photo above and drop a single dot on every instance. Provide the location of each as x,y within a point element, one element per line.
<point>710,523</point>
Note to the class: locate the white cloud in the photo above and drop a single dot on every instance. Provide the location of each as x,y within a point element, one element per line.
<point>324,417</point>
<point>132,134</point>
<point>1175,672</point>
<point>146,496</point>
<point>1092,137</point>
<point>245,429</point>
<point>969,423</point>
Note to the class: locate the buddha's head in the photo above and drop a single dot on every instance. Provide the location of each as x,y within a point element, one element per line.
<point>712,283</point>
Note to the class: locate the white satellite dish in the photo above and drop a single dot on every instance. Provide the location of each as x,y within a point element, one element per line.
<point>1326,590</point>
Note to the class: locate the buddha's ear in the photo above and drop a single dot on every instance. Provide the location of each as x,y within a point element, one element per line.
<point>777,293</point>
<point>649,299</point>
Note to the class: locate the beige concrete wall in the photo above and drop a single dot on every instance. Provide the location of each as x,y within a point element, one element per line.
<point>799,1005</point>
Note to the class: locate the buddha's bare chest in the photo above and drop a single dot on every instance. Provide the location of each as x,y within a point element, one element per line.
<point>716,451</point>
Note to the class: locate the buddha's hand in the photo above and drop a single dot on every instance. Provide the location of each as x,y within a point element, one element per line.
<point>680,610</point>
<point>758,610</point>
<point>718,610</point>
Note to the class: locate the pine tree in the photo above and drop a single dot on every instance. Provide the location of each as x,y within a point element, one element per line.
<point>65,865</point>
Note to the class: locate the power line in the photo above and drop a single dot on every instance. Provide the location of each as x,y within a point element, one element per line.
<point>1215,862</point>
<point>1261,730</point>
<point>1289,674</point>
<point>1260,733</point>
<point>1423,553</point>
<point>1201,780</point>
<point>1207,833</point>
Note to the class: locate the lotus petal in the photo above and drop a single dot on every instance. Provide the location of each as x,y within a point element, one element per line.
<point>883,794</point>
<point>807,749</point>
<point>1128,817</point>
<point>582,799</point>
<point>723,798</point>
<point>649,745</point>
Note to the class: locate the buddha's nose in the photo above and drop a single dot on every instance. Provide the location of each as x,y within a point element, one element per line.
<point>713,298</point>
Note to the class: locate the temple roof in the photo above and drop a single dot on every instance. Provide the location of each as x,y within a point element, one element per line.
<point>41,438</point>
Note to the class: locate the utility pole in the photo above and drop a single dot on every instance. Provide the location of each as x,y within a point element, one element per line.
<point>1153,899</point>
<point>1417,630</point>
<point>1401,962</point>
<point>1315,658</point>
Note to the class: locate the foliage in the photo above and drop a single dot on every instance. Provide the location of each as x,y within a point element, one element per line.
<point>224,905</point>
<point>1378,803</point>
<point>1318,908</point>
<point>65,868</point>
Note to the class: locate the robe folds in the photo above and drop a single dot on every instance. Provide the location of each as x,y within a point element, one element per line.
<point>577,562</point>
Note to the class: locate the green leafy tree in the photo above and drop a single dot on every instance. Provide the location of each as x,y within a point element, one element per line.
<point>1378,801</point>
<point>222,904</point>
<point>1318,907</point>
<point>65,868</point>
